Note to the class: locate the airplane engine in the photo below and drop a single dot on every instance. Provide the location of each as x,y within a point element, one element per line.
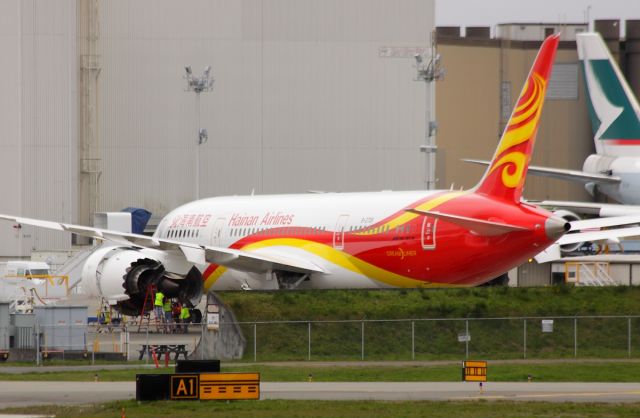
<point>122,275</point>
<point>599,164</point>
<point>569,217</point>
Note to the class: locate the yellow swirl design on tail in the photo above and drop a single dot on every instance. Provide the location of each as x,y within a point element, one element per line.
<point>517,160</point>
<point>528,111</point>
<point>513,137</point>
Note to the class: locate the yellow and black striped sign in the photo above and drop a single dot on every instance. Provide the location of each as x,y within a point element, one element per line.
<point>474,371</point>
<point>202,386</point>
<point>229,386</point>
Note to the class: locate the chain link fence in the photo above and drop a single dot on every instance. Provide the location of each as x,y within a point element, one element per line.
<point>604,337</point>
<point>443,339</point>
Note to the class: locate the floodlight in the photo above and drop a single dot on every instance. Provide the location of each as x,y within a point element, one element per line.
<point>203,136</point>
<point>198,84</point>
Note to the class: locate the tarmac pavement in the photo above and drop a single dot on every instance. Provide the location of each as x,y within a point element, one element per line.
<point>37,393</point>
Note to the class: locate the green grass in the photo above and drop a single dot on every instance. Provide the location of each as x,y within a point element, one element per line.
<point>321,409</point>
<point>510,372</point>
<point>432,303</point>
<point>437,340</point>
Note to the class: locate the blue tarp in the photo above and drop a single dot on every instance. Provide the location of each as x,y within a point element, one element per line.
<point>139,219</point>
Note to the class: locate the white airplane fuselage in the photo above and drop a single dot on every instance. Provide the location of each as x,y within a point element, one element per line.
<point>358,240</point>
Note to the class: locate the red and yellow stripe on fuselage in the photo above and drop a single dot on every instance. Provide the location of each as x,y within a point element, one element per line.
<point>380,258</point>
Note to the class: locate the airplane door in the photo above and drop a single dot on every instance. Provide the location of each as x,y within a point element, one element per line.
<point>429,233</point>
<point>216,232</point>
<point>338,232</point>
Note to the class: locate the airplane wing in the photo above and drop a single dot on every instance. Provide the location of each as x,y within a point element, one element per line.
<point>194,253</point>
<point>590,224</point>
<point>585,235</point>
<point>608,234</point>
<point>562,174</point>
<point>588,208</point>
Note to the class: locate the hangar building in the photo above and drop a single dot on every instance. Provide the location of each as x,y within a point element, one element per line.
<point>308,95</point>
<point>94,115</point>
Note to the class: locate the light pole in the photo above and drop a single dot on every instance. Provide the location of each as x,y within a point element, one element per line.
<point>204,83</point>
<point>429,71</point>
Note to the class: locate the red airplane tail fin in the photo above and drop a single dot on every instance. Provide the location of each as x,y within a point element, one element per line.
<point>505,176</point>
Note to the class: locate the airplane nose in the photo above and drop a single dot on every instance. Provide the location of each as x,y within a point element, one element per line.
<point>556,227</point>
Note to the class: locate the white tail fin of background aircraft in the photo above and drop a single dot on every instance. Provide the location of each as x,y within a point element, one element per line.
<point>613,108</point>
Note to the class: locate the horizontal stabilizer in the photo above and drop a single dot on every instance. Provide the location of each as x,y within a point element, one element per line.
<point>561,174</point>
<point>478,226</point>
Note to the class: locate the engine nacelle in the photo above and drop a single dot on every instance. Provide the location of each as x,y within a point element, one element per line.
<point>597,164</point>
<point>569,217</point>
<point>123,275</point>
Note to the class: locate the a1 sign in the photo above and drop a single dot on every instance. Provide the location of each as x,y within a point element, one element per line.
<point>185,386</point>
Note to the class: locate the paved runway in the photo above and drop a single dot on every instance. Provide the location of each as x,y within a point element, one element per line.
<point>455,391</point>
<point>34,393</point>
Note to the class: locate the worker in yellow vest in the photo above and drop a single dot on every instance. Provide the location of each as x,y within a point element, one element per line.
<point>166,308</point>
<point>157,307</point>
<point>185,316</point>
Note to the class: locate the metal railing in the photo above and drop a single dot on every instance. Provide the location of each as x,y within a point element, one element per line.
<point>588,274</point>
